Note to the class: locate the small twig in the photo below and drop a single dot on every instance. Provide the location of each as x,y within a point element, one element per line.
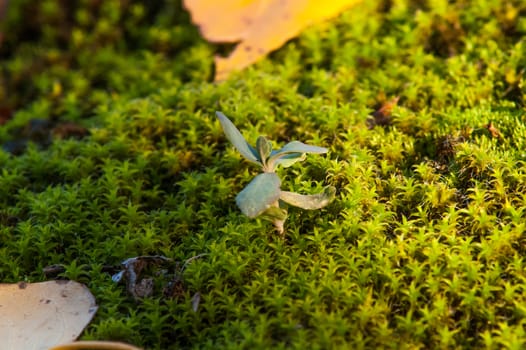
<point>189,260</point>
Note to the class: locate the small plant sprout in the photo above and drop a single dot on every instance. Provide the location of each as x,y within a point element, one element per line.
<point>263,195</point>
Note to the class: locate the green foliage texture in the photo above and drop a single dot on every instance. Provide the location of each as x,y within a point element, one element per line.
<point>422,248</point>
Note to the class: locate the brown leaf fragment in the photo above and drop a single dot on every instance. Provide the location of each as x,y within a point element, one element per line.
<point>382,116</point>
<point>494,132</point>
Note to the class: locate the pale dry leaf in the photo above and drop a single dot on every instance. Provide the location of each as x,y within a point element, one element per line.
<point>35,316</point>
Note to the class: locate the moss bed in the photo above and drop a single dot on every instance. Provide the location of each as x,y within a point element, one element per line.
<point>111,149</point>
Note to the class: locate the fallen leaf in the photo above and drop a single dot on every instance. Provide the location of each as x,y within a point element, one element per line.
<point>42,315</point>
<point>261,26</point>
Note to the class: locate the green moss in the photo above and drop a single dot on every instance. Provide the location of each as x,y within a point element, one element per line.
<point>422,248</point>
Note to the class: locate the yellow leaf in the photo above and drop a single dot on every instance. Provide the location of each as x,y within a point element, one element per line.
<point>224,21</point>
<point>261,26</point>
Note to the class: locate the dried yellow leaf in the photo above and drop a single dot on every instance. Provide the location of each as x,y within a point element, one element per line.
<point>261,26</point>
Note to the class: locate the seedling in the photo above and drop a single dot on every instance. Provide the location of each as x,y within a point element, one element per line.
<point>263,195</point>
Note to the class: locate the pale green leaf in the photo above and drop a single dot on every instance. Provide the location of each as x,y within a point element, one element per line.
<point>239,142</point>
<point>274,214</point>
<point>264,147</point>
<point>259,194</point>
<point>289,159</point>
<point>310,202</point>
<point>300,147</point>
<point>291,153</point>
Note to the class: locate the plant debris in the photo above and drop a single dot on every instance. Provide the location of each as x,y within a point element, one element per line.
<point>382,116</point>
<point>139,272</point>
<point>494,132</point>
<point>138,286</point>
